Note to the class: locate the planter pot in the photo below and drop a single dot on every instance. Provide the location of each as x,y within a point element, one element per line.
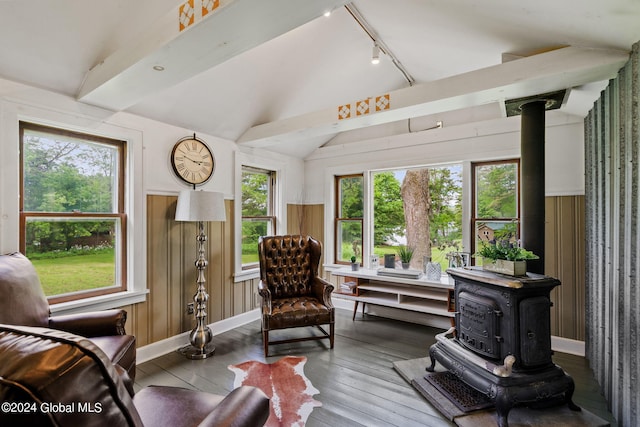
<point>389,261</point>
<point>355,266</point>
<point>405,265</point>
<point>502,266</point>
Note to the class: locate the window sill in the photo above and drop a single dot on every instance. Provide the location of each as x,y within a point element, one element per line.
<point>102,302</point>
<point>243,275</point>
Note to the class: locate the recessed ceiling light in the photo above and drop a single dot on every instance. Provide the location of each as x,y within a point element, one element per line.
<point>158,67</point>
<point>327,13</point>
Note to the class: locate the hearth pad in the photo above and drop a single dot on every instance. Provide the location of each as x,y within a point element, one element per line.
<point>466,398</point>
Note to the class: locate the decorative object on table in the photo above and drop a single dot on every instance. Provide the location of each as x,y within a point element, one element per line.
<point>405,253</point>
<point>374,261</point>
<point>458,259</point>
<point>389,260</point>
<point>200,206</point>
<point>504,256</point>
<point>432,270</point>
<point>354,264</point>
<point>398,272</point>
<point>289,391</point>
<point>192,160</point>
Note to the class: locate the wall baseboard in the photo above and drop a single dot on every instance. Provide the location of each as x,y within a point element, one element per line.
<point>157,349</point>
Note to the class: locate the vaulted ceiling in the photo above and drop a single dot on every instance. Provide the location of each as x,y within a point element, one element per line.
<point>281,76</point>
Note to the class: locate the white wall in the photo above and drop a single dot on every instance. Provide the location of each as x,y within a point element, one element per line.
<point>150,143</point>
<point>480,141</point>
<point>487,140</point>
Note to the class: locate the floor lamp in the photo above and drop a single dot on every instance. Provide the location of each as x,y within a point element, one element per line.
<point>200,206</point>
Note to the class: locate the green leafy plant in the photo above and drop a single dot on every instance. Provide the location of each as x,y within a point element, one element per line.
<point>503,249</point>
<point>353,260</point>
<point>405,253</point>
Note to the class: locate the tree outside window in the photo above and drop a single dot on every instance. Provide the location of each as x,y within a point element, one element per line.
<point>420,208</point>
<point>258,217</point>
<point>72,211</point>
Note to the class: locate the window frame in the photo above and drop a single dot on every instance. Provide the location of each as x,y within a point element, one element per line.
<point>338,218</point>
<point>120,213</point>
<point>474,214</point>
<point>271,200</point>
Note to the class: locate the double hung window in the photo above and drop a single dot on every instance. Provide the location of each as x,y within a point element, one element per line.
<point>72,211</point>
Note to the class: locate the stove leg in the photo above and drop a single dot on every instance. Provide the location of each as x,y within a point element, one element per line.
<point>503,406</point>
<point>432,368</point>
<point>569,396</point>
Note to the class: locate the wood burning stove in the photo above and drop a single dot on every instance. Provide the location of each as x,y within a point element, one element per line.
<point>502,341</point>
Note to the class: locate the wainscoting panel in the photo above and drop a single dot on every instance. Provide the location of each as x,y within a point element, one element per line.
<point>612,140</point>
<point>308,220</point>
<point>171,274</point>
<point>564,260</point>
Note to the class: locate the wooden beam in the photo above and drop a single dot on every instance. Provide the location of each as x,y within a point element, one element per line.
<point>235,26</point>
<point>547,72</point>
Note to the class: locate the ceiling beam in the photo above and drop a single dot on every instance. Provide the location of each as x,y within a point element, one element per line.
<point>546,72</point>
<point>235,26</point>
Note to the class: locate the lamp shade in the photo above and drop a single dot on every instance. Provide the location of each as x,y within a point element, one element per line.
<point>200,206</point>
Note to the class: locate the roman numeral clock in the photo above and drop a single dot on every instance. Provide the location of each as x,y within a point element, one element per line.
<point>192,160</point>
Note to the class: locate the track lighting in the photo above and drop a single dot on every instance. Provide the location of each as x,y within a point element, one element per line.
<point>375,55</point>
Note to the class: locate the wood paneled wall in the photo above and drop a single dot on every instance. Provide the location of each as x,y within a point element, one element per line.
<point>307,220</point>
<point>171,274</point>
<point>564,260</point>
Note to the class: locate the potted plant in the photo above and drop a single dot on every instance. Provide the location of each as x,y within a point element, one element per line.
<point>354,264</point>
<point>504,256</point>
<point>405,253</point>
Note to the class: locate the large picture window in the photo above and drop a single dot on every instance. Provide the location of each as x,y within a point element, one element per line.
<point>496,202</point>
<point>258,212</point>
<point>420,208</point>
<point>72,211</point>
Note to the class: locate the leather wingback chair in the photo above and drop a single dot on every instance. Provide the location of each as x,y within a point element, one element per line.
<point>292,293</point>
<point>54,378</point>
<point>22,302</point>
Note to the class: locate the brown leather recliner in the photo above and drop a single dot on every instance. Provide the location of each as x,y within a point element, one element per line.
<point>54,378</point>
<point>293,295</point>
<point>22,302</point>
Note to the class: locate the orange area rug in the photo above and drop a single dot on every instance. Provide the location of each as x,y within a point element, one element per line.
<point>289,390</point>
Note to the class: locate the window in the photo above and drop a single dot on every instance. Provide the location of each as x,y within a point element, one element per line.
<point>258,213</point>
<point>348,218</point>
<point>420,208</point>
<point>496,201</point>
<point>72,215</point>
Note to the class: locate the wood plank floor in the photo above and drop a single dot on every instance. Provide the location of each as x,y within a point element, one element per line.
<point>357,382</point>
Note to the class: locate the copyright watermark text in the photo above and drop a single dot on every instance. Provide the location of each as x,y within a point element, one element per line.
<point>50,407</point>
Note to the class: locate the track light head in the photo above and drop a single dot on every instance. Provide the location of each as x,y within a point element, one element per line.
<point>375,55</point>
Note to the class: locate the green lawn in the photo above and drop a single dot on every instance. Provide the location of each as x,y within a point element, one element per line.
<point>76,273</point>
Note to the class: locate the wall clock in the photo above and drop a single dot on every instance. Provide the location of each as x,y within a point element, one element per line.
<point>192,160</point>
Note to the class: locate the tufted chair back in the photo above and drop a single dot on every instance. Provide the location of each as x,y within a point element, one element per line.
<point>293,295</point>
<point>288,264</point>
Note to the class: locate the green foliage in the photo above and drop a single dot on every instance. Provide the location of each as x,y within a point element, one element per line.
<point>405,253</point>
<point>504,249</point>
<point>351,190</point>
<point>255,194</point>
<point>496,190</point>
<point>66,176</point>
<point>353,259</point>
<point>388,212</point>
<point>446,207</point>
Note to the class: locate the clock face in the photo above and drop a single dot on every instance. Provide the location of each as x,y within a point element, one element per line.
<point>192,161</point>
